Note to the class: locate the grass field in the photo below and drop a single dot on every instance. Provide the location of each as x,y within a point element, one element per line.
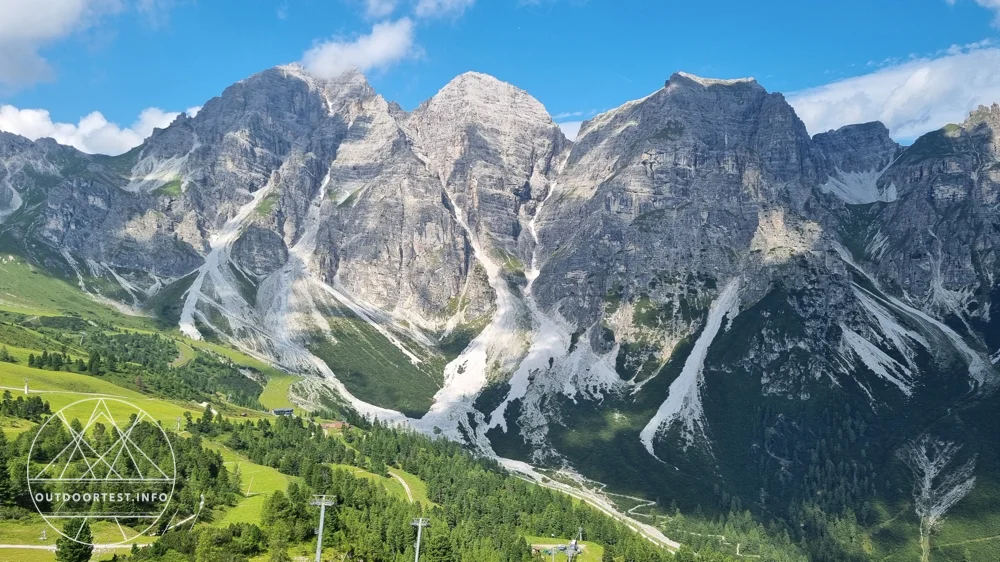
<point>12,427</point>
<point>29,533</point>
<point>61,389</point>
<point>260,481</point>
<point>390,484</point>
<point>417,486</point>
<point>25,290</point>
<point>275,393</point>
<point>186,355</point>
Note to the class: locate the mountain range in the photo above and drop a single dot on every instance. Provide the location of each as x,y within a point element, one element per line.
<point>695,301</point>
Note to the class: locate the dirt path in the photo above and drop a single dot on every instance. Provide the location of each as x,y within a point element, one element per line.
<point>52,547</point>
<point>982,539</point>
<point>591,497</point>
<point>406,486</point>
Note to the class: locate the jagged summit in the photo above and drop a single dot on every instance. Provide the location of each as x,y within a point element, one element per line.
<point>484,88</point>
<point>871,126</point>
<point>680,77</point>
<point>298,71</point>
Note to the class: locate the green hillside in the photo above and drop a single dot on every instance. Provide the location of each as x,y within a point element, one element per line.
<point>245,476</point>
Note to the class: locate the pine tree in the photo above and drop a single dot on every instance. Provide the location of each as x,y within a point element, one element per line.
<point>79,550</point>
<point>608,556</point>
<point>439,549</point>
<point>6,497</point>
<point>278,542</point>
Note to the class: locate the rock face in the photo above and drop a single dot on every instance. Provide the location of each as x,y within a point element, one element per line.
<point>467,266</point>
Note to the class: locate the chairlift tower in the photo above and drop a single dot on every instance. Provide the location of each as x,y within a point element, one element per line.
<point>419,523</point>
<point>574,548</point>
<point>322,502</point>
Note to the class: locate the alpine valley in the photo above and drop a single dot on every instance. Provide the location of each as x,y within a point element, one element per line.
<point>694,304</point>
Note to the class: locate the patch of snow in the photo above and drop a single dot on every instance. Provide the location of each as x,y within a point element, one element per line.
<point>683,403</point>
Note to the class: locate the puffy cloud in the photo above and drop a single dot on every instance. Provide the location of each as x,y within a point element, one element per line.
<point>92,134</point>
<point>379,8</point>
<point>911,98</point>
<point>571,129</point>
<point>26,26</point>
<point>441,8</point>
<point>992,5</point>
<point>388,43</point>
<point>989,5</point>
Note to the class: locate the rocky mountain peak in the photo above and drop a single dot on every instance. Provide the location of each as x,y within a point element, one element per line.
<point>687,79</point>
<point>985,114</point>
<point>863,147</point>
<point>473,95</point>
<point>10,141</point>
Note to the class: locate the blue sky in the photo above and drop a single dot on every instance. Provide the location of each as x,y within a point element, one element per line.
<point>136,62</point>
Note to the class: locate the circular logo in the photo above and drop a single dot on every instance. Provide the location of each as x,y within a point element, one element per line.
<point>101,460</point>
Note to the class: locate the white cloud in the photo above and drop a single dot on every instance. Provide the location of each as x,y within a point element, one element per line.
<point>567,114</point>
<point>92,134</point>
<point>27,26</point>
<point>989,5</point>
<point>388,43</point>
<point>911,98</point>
<point>376,9</point>
<point>992,5</point>
<point>441,8</point>
<point>571,129</point>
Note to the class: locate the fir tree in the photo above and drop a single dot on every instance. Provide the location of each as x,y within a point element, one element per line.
<point>6,497</point>
<point>79,550</point>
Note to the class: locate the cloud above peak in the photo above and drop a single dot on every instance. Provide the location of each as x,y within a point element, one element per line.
<point>911,97</point>
<point>388,43</point>
<point>93,133</point>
